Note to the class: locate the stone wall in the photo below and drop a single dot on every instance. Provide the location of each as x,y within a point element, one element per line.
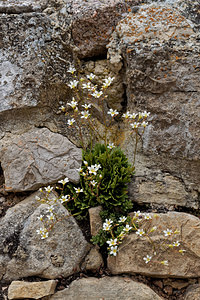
<point>152,48</point>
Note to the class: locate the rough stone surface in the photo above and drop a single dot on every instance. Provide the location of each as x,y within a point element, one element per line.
<point>93,261</point>
<point>108,288</point>
<point>133,249</point>
<point>162,77</point>
<point>22,251</point>
<point>96,222</point>
<point>192,292</point>
<point>93,23</point>
<point>36,158</point>
<point>20,6</point>
<point>33,290</point>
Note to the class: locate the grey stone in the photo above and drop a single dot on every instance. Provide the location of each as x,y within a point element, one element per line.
<point>38,157</point>
<point>93,23</point>
<point>22,251</point>
<point>162,77</point>
<point>93,261</point>
<point>130,258</point>
<point>20,6</point>
<point>33,290</point>
<point>108,288</point>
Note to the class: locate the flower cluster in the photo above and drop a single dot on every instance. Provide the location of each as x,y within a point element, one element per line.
<point>140,224</point>
<point>136,120</point>
<point>49,217</point>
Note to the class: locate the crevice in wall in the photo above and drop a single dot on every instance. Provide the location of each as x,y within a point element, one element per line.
<point>2,179</point>
<point>102,56</point>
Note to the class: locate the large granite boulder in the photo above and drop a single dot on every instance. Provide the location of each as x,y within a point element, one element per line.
<point>22,251</point>
<point>130,258</point>
<point>38,157</point>
<point>110,288</point>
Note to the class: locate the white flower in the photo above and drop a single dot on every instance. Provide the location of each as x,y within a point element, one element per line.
<point>176,244</point>
<point>112,112</point>
<point>97,167</point>
<point>62,108</point>
<point>133,116</point>
<point>73,103</point>
<point>137,214</point>
<point>112,242</point>
<point>51,216</point>
<point>80,170</point>
<point>70,122</point>
<point>90,76</point>
<point>48,189</point>
<point>85,114</point>
<point>97,94</point>
<point>113,250</point>
<point>64,198</point>
<point>93,169</point>
<point>40,231</point>
<point>78,190</point>
<point>140,232</point>
<point>145,114</point>
<point>164,262</point>
<point>50,208</point>
<point>181,251</point>
<point>85,163</point>
<point>147,259</point>
<point>122,219</point>
<point>64,181</point>
<point>126,115</point>
<point>144,124</point>
<point>37,198</point>
<point>40,217</point>
<point>86,106</point>
<point>167,232</point>
<point>108,222</point>
<point>127,228</point>
<point>106,227</point>
<point>110,146</point>
<point>107,82</point>
<point>135,125</point>
<point>87,86</point>
<point>93,182</point>
<point>73,84</point>
<point>71,70</point>
<point>44,235</point>
<point>147,216</point>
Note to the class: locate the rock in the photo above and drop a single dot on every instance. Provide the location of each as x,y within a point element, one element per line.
<point>33,290</point>
<point>18,6</point>
<point>192,292</point>
<point>117,288</point>
<point>93,261</point>
<point>22,251</point>
<point>38,157</point>
<point>93,23</point>
<point>162,78</point>
<point>130,260</point>
<point>22,65</point>
<point>96,222</point>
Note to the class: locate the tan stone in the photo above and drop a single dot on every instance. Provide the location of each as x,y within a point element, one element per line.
<point>93,261</point>
<point>33,290</point>
<point>95,220</point>
<point>193,292</point>
<point>108,288</point>
<point>134,248</point>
